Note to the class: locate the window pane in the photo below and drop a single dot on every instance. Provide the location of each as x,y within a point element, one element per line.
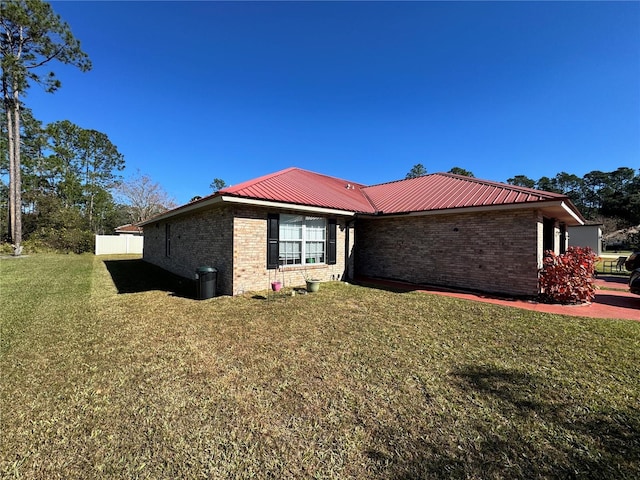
<point>314,252</point>
<point>290,253</point>
<point>291,227</point>
<point>315,228</point>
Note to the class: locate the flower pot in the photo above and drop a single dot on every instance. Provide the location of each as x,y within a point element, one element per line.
<point>313,285</point>
<point>276,286</point>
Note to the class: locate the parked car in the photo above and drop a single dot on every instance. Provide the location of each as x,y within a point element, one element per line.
<point>633,265</point>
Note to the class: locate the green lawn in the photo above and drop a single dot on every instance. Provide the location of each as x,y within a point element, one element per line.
<point>108,374</point>
<point>608,257</point>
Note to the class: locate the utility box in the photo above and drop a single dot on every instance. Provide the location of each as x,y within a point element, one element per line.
<point>206,278</point>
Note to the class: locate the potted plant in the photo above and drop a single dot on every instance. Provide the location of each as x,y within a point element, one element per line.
<point>313,284</point>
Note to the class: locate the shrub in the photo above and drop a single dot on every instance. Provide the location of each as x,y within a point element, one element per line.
<point>568,278</point>
<point>70,240</point>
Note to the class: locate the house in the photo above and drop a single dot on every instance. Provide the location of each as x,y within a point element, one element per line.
<point>439,229</point>
<point>129,229</point>
<point>586,236</point>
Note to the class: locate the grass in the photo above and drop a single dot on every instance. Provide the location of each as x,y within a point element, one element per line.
<point>608,270</point>
<point>109,371</point>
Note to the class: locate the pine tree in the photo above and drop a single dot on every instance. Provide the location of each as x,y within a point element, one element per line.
<point>31,36</point>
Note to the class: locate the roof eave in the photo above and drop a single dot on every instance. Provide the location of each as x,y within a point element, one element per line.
<point>571,215</point>
<point>189,207</point>
<point>230,199</point>
<point>561,209</point>
<point>285,205</point>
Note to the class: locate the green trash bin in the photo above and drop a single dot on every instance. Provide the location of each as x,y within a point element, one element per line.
<point>206,278</point>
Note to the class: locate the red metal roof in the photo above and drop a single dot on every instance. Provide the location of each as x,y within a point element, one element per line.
<point>438,191</point>
<point>441,191</point>
<point>128,228</point>
<point>302,187</point>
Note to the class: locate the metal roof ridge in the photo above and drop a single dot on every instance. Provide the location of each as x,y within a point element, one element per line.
<point>444,174</point>
<point>366,196</point>
<point>399,180</point>
<point>255,181</point>
<point>358,184</point>
<point>504,185</point>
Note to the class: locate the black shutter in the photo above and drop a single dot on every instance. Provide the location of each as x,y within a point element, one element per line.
<point>273,237</point>
<point>331,241</point>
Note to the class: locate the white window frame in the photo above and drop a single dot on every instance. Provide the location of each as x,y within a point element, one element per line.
<point>303,241</point>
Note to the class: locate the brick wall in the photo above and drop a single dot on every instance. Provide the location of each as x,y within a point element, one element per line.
<point>233,239</point>
<point>197,239</point>
<point>250,254</point>
<point>493,252</point>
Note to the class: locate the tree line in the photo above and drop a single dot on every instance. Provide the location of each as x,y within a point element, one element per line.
<point>72,187</point>
<point>67,177</point>
<point>64,181</point>
<point>604,197</point>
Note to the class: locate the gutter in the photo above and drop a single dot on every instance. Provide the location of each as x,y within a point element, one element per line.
<point>222,199</point>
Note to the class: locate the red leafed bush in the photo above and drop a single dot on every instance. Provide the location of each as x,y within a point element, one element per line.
<point>568,278</point>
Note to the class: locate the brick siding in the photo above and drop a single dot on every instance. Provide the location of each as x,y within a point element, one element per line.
<point>250,271</point>
<point>200,238</point>
<point>233,239</point>
<point>488,251</point>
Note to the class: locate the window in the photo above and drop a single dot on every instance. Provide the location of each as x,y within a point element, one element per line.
<point>167,240</point>
<point>302,240</point>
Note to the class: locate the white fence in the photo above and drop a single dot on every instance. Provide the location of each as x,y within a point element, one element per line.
<point>112,244</point>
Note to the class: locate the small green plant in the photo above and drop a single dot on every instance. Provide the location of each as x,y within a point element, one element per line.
<point>308,277</point>
<point>568,278</point>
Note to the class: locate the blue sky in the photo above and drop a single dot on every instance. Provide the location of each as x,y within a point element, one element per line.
<point>191,91</point>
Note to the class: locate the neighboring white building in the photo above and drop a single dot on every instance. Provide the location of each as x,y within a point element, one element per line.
<point>586,236</point>
<point>129,229</point>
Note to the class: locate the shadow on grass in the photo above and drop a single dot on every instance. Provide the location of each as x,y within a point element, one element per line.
<point>513,424</point>
<point>385,285</point>
<point>602,443</point>
<point>398,286</point>
<point>135,276</point>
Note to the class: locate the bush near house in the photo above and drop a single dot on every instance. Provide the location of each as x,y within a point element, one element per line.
<point>568,278</point>
<point>64,240</point>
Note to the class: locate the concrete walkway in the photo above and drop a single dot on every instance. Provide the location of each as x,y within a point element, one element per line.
<point>613,299</point>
